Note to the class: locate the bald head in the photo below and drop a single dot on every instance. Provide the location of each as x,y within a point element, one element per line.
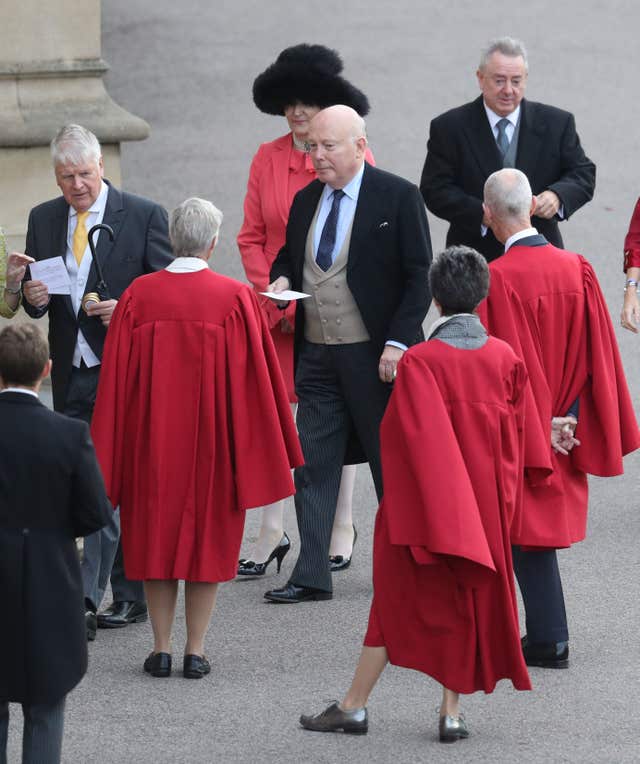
<point>337,144</point>
<point>508,202</point>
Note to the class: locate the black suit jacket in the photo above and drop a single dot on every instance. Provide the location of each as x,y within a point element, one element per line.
<point>141,245</point>
<point>462,153</point>
<point>51,491</point>
<point>389,256</point>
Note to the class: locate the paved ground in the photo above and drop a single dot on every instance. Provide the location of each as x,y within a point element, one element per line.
<point>187,68</point>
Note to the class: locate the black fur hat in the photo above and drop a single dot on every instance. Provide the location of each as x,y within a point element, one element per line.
<point>309,74</point>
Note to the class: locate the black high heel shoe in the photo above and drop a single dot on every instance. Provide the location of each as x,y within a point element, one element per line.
<point>337,561</point>
<point>255,569</point>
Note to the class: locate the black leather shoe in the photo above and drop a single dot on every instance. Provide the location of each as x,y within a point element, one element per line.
<point>255,569</point>
<point>195,666</point>
<point>120,614</point>
<point>451,729</point>
<point>554,655</point>
<point>337,561</point>
<point>292,594</point>
<point>334,719</point>
<point>158,664</point>
<point>92,625</point>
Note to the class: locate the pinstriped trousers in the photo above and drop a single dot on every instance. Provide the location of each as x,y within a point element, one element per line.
<point>42,735</point>
<point>338,389</point>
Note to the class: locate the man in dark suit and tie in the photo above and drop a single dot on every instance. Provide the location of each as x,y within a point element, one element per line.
<point>358,243</point>
<point>51,491</point>
<point>502,129</point>
<point>140,245</point>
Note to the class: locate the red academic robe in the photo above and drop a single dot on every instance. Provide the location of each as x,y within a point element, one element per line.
<point>452,461</point>
<point>547,304</point>
<point>192,423</point>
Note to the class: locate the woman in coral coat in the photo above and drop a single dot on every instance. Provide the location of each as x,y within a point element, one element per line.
<point>630,317</point>
<point>303,80</point>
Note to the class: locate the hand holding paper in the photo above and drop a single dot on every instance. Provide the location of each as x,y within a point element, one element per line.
<point>52,272</point>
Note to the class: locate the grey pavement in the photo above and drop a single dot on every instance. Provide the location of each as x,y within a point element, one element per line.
<point>187,68</point>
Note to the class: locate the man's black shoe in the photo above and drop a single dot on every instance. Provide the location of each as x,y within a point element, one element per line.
<point>91,622</point>
<point>120,614</point>
<point>553,655</point>
<point>291,594</point>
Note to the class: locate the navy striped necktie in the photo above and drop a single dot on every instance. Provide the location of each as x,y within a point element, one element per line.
<point>328,235</point>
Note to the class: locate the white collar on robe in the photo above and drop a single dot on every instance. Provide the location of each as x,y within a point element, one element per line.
<point>187,265</point>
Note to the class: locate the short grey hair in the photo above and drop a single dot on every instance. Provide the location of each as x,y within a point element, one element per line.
<point>459,279</point>
<point>508,194</point>
<point>508,46</point>
<point>193,225</point>
<point>74,144</point>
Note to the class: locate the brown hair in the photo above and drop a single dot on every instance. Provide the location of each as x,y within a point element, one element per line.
<point>24,351</point>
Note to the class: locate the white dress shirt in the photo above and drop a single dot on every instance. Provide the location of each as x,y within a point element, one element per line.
<point>520,235</point>
<point>78,275</point>
<point>186,265</point>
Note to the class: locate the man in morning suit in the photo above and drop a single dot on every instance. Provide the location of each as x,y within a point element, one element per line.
<point>51,491</point>
<point>358,243</point>
<point>502,129</point>
<point>59,228</point>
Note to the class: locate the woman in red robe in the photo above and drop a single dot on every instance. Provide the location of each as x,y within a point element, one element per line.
<point>192,427</point>
<point>452,445</point>
<point>303,80</point>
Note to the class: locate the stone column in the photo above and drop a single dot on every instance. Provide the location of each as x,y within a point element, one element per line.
<point>51,74</point>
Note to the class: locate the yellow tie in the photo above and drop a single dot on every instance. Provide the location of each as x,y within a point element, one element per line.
<point>80,239</point>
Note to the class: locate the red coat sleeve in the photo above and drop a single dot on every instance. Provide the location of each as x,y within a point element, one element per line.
<point>109,415</point>
<point>632,241</point>
<point>433,517</point>
<point>503,317</point>
<point>265,443</point>
<point>607,426</point>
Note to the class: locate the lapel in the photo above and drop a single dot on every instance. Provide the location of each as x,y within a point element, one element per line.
<point>280,166</point>
<point>531,140</point>
<point>370,212</point>
<point>59,229</point>
<point>114,215</point>
<point>303,222</point>
<point>481,141</point>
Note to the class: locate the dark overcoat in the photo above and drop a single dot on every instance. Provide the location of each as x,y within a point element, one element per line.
<point>51,490</point>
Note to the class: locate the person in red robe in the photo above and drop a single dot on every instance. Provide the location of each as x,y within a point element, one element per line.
<point>547,304</point>
<point>192,426</point>
<point>444,598</point>
<point>630,317</point>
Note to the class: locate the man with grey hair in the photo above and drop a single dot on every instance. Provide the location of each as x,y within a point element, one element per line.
<point>358,243</point>
<point>547,304</point>
<point>59,228</point>
<point>502,129</point>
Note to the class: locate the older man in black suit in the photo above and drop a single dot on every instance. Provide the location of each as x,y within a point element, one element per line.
<point>502,129</point>
<point>59,228</point>
<point>358,243</point>
<point>51,490</point>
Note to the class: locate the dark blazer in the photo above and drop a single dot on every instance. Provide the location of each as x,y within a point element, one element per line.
<point>462,153</point>
<point>51,491</point>
<point>141,245</point>
<point>389,256</point>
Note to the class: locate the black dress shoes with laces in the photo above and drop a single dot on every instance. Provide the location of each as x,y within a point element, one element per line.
<point>195,666</point>
<point>334,719</point>
<point>554,655</point>
<point>451,729</point>
<point>255,569</point>
<point>291,594</point>
<point>120,614</point>
<point>158,664</point>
